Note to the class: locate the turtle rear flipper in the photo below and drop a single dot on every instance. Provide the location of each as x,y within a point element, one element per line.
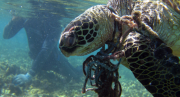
<point>153,64</point>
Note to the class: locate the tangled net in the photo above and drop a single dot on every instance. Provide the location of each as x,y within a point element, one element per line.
<point>102,73</point>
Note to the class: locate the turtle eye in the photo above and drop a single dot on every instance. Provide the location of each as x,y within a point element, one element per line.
<point>68,39</point>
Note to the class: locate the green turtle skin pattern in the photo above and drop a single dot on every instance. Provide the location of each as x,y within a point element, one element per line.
<point>153,64</point>
<point>162,16</point>
<point>152,60</point>
<point>91,30</point>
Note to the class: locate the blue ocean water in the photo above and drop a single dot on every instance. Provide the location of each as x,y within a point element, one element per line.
<point>14,57</point>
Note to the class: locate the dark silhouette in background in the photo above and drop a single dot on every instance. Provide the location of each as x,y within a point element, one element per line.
<point>43,32</point>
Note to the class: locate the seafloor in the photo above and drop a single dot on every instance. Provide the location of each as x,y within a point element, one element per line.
<point>51,84</point>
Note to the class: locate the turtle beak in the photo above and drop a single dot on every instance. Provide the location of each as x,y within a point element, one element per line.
<point>67,39</point>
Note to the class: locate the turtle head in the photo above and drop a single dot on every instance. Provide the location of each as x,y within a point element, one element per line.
<point>79,36</point>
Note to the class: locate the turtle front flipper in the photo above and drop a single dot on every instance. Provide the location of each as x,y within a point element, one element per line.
<point>153,64</point>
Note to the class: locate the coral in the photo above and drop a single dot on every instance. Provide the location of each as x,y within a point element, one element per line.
<point>15,89</point>
<point>12,70</point>
<point>52,84</point>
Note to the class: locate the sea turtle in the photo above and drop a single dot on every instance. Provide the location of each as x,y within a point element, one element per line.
<point>148,32</point>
